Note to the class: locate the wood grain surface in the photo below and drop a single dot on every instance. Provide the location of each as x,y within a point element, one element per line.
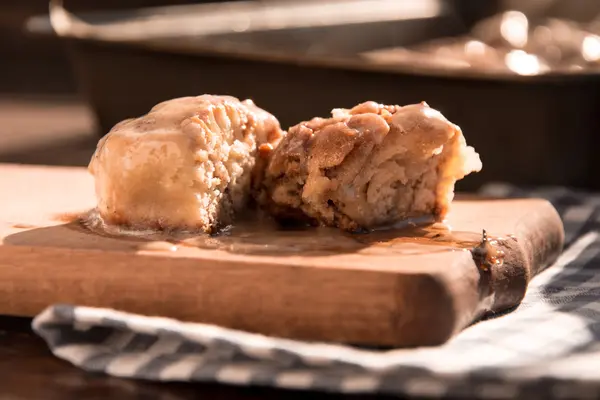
<point>316,286</point>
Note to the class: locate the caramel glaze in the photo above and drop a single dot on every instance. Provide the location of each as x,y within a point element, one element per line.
<point>261,235</point>
<point>69,217</point>
<point>24,226</point>
<point>488,253</point>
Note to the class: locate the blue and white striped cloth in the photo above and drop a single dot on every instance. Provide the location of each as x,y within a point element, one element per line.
<point>548,348</point>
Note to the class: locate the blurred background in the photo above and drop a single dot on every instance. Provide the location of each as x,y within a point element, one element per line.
<point>520,77</point>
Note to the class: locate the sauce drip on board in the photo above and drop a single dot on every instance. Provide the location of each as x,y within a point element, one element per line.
<point>68,217</point>
<point>263,236</point>
<point>23,226</point>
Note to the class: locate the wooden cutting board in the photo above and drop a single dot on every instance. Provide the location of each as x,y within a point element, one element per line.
<point>402,288</point>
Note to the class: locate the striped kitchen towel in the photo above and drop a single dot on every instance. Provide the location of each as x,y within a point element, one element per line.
<point>548,348</point>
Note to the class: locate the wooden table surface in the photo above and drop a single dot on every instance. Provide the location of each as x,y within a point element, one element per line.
<point>29,371</point>
<point>60,132</point>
